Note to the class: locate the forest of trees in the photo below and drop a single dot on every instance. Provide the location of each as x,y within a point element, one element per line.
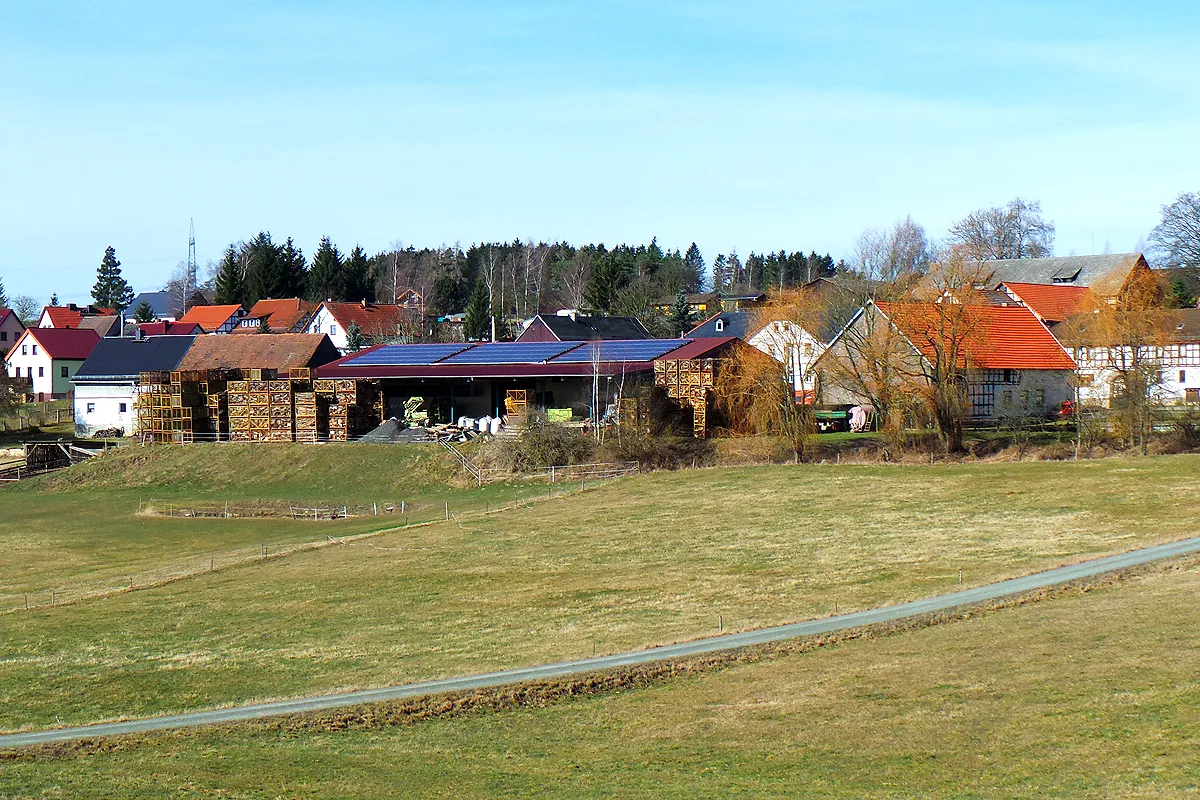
<point>518,279</point>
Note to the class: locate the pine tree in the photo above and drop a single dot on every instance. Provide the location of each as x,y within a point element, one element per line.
<point>230,284</point>
<point>294,270</point>
<point>264,326</point>
<point>143,313</point>
<point>479,309</point>
<point>264,269</point>
<point>355,282</point>
<point>325,273</point>
<point>111,290</point>
<point>681,314</point>
<point>354,338</point>
<point>3,296</point>
<point>695,268</point>
<point>54,298</point>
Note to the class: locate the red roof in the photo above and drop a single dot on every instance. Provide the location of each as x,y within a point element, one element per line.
<point>70,343</point>
<point>373,320</point>
<point>993,337</point>
<point>1053,303</point>
<point>210,318</point>
<point>282,315</point>
<point>62,317</point>
<point>169,329</point>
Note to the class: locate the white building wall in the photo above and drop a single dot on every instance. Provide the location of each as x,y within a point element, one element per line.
<point>99,406</point>
<point>34,365</point>
<point>791,345</point>
<point>323,322</point>
<point>1179,363</point>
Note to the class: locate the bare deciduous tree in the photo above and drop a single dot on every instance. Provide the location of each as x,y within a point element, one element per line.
<point>1176,240</point>
<point>1015,231</point>
<point>890,255</point>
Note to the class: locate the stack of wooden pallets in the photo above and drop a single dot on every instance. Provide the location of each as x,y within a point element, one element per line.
<point>689,381</point>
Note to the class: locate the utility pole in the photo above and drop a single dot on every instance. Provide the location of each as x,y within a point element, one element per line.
<point>189,276</point>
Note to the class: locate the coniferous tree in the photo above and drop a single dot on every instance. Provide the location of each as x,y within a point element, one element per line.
<point>694,262</point>
<point>3,296</point>
<point>230,285</point>
<point>354,338</point>
<point>111,289</point>
<point>326,272</point>
<point>476,323</point>
<point>54,298</point>
<point>355,283</point>
<point>681,315</point>
<point>294,270</point>
<point>143,313</point>
<point>265,272</point>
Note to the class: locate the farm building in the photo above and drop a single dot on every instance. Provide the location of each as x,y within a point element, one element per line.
<point>1107,275</point>
<point>567,326</point>
<point>214,319</point>
<point>1014,366</point>
<point>474,380</point>
<point>106,385</point>
<point>11,329</point>
<point>377,322</point>
<point>290,315</point>
<point>49,357</point>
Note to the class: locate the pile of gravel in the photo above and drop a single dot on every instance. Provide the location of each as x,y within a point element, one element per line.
<point>393,432</point>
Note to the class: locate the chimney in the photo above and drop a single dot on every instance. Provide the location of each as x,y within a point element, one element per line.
<point>363,303</point>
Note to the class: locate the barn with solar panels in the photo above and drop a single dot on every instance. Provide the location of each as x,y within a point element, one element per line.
<point>476,380</point>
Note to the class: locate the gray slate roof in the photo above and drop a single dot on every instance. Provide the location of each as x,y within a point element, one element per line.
<point>121,359</point>
<point>160,304</point>
<point>585,329</point>
<point>733,323</point>
<point>1061,270</point>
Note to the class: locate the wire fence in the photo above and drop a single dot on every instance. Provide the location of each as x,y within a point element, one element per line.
<point>393,516</point>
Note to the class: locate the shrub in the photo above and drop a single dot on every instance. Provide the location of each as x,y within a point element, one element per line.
<point>545,444</point>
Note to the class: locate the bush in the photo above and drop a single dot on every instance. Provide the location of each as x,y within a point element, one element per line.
<point>660,452</point>
<point>1184,436</point>
<point>545,444</point>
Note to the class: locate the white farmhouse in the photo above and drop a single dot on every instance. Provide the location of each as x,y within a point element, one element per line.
<point>49,357</point>
<point>106,385</point>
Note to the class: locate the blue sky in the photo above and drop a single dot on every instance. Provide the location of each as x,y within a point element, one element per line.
<point>755,125</point>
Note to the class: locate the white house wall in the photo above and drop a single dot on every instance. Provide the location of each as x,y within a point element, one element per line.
<point>1180,365</point>
<point>98,406</point>
<point>323,322</point>
<point>792,346</point>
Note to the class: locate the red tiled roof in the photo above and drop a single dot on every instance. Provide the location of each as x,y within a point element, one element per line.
<point>62,317</point>
<point>71,343</point>
<point>210,318</point>
<point>169,329</point>
<point>373,320</point>
<point>993,337</point>
<point>1052,303</point>
<point>282,315</point>
<point>280,352</point>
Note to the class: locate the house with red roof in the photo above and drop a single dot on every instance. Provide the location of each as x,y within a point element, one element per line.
<point>11,329</point>
<point>49,357</point>
<point>167,328</point>
<point>377,322</point>
<point>214,319</point>
<point>289,315</point>
<point>1053,303</point>
<point>71,315</point>
<point>1013,364</point>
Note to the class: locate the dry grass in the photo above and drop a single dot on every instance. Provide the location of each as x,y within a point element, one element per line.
<point>1089,695</point>
<point>641,561</point>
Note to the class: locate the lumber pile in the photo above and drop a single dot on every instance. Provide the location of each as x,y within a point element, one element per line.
<point>689,381</point>
<point>355,407</point>
<point>179,407</point>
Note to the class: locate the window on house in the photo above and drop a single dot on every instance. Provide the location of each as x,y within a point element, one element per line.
<point>24,349</point>
<point>1182,375</point>
<point>91,408</point>
<point>3,336</point>
<point>333,330</point>
<point>29,372</point>
<point>41,372</point>
<point>720,325</point>
<point>122,407</point>
<point>63,371</point>
<point>1009,376</point>
<point>35,349</point>
<point>1191,395</point>
<point>1025,401</point>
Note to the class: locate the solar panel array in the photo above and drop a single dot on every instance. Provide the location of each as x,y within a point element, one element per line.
<point>623,350</point>
<point>511,353</point>
<point>406,355</point>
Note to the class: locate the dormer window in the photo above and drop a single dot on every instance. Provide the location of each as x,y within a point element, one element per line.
<point>720,325</point>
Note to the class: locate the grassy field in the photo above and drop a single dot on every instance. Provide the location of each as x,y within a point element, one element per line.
<point>79,530</point>
<point>645,560</point>
<point>1082,696</point>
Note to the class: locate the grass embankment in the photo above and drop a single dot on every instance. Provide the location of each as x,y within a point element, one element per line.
<point>646,560</point>
<point>1082,696</point>
<point>78,530</point>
